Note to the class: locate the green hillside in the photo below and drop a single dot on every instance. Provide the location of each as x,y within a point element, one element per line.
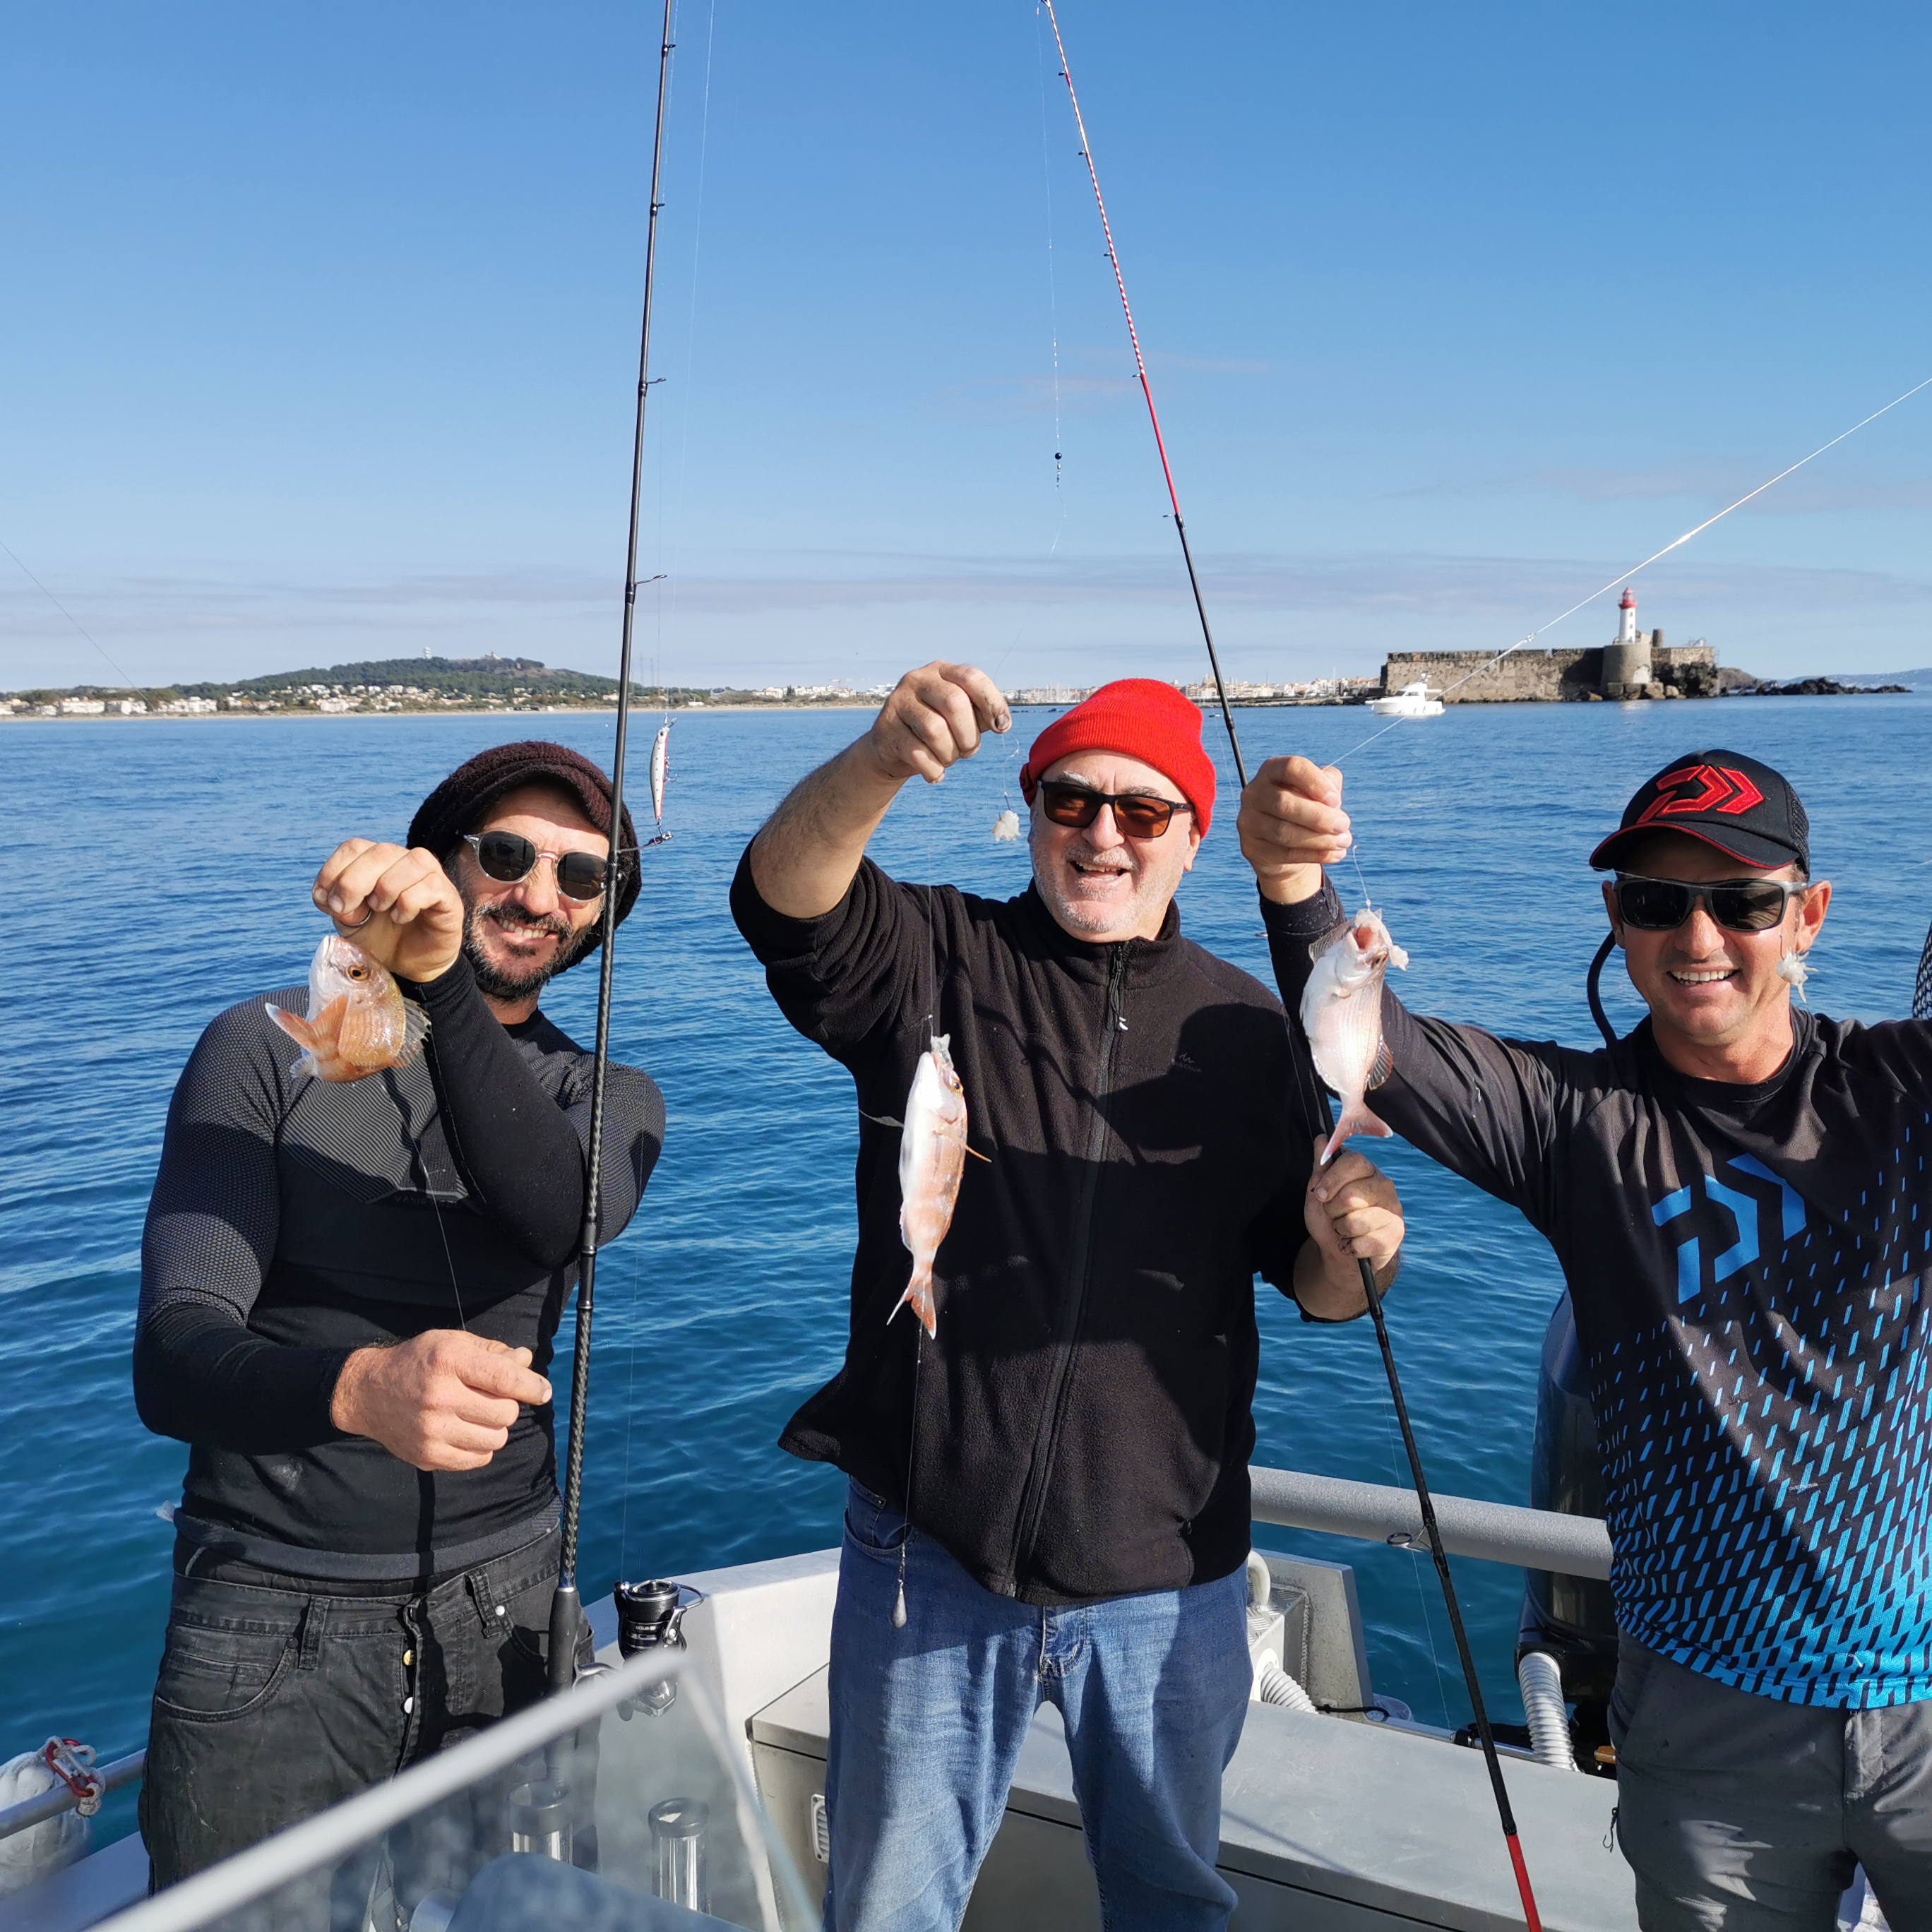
<point>387,684</point>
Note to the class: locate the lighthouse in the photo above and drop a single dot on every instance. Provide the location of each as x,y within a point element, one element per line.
<point>1627,661</point>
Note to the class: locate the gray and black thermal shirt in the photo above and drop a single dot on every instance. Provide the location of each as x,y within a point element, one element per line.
<point>295,1220</point>
<point>1750,1267</point>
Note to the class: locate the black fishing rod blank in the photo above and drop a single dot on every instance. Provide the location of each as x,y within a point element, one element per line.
<point>566,1613</point>
<point>1484,1734</point>
<point>1299,1040</point>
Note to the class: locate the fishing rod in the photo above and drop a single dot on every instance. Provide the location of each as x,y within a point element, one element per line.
<point>1373,1295</point>
<point>1146,390</point>
<point>566,1611</point>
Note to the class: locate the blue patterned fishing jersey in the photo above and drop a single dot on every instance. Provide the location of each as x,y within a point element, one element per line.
<point>1748,1266</point>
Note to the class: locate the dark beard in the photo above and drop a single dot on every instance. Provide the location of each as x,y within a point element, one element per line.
<point>498,985</point>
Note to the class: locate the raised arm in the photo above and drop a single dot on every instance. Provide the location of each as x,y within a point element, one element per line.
<point>1291,825</point>
<point>1485,1107</point>
<point>804,861</point>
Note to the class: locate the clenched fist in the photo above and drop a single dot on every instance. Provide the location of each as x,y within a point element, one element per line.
<point>443,1399</point>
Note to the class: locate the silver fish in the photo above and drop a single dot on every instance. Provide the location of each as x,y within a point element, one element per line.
<point>932,1157</point>
<point>660,771</point>
<point>1342,1014</point>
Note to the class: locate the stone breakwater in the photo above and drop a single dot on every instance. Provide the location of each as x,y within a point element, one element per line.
<point>1548,676</point>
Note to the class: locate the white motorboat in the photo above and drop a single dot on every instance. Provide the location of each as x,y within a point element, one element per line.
<point>1412,701</point>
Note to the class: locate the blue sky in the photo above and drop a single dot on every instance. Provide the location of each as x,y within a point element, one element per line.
<point>317,333</point>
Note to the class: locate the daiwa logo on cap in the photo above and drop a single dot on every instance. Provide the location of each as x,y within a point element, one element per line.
<point>1718,788</point>
<point>1726,799</point>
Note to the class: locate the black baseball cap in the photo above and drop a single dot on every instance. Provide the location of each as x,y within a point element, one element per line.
<point>1737,804</point>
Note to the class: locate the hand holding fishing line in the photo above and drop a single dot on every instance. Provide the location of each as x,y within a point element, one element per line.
<point>1292,824</point>
<point>935,717</point>
<point>400,906</point>
<point>443,1399</point>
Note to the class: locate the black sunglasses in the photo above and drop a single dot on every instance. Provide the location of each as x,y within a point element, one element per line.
<point>509,858</point>
<point>1136,814</point>
<point>1662,905</point>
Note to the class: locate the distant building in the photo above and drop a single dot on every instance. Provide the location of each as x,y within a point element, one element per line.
<point>1634,664</point>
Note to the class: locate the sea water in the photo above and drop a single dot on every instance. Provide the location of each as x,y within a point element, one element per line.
<point>156,873</point>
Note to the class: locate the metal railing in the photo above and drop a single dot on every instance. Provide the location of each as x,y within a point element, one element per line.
<point>331,1835</point>
<point>1572,1545</point>
<point>31,1811</point>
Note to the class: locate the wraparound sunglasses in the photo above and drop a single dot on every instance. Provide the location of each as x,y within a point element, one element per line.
<point>1137,814</point>
<point>1662,905</point>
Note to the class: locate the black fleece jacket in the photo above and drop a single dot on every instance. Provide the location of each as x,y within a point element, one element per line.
<point>1085,1414</point>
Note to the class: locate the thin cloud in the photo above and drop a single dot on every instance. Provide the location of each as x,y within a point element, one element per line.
<point>998,398</point>
<point>1701,484</point>
<point>1516,591</point>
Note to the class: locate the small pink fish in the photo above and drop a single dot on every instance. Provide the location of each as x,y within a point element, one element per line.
<point>1342,1014</point>
<point>932,1157</point>
<point>358,1022</point>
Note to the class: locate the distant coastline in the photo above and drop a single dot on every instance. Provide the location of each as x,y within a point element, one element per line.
<point>639,706</point>
<point>526,688</point>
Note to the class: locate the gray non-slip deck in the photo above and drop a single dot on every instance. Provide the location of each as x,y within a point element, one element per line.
<point>1326,1826</point>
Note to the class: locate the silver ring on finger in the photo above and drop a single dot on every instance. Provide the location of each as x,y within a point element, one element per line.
<point>344,926</point>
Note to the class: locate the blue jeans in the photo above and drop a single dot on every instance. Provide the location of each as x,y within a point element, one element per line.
<point>927,1723</point>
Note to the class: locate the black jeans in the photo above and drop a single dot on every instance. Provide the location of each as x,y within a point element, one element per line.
<point>279,1696</point>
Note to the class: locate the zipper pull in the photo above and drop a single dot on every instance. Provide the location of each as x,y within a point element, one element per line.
<point>1122,1018</point>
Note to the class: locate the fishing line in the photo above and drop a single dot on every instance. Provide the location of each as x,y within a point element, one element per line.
<point>1371,1292</point>
<point>566,1616</point>
<point>1624,576</point>
<point>1146,390</point>
<point>912,1460</point>
<point>690,338</point>
<point>126,682</point>
<point>449,1261</point>
<point>630,1416</point>
<point>1421,1594</point>
<point>1052,281</point>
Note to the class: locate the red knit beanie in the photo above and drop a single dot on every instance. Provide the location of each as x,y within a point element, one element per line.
<point>1139,717</point>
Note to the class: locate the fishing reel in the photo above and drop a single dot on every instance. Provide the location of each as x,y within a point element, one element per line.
<point>650,1616</point>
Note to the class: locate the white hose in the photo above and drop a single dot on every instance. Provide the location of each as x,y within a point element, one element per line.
<point>1541,1683</point>
<point>1261,1581</point>
<point>1276,1687</point>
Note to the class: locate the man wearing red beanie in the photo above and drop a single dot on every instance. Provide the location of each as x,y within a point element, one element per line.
<point>1049,1498</point>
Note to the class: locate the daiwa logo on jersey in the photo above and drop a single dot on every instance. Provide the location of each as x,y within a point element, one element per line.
<point>1744,1209</point>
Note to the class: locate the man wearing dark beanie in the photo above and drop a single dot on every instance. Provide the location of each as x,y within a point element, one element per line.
<point>349,1293</point>
<point>1048,1500</point>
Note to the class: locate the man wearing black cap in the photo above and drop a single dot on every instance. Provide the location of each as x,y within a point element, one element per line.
<point>1737,1193</point>
<point>348,1296</point>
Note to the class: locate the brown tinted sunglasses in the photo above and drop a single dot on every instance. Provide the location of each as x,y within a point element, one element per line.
<point>1137,814</point>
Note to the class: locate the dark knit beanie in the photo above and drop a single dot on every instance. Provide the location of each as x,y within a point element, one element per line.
<point>467,795</point>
